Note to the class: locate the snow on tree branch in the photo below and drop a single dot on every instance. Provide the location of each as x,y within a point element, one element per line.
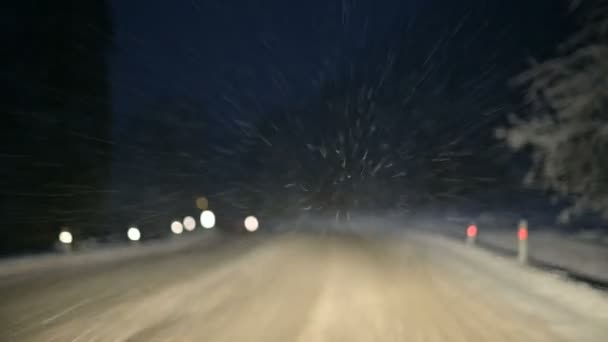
<point>567,129</point>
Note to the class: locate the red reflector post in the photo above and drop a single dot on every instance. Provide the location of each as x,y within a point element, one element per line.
<point>522,233</point>
<point>522,236</point>
<point>472,231</point>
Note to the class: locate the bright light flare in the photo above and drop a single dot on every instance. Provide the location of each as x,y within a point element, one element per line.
<point>177,227</point>
<point>189,223</point>
<point>208,219</point>
<point>133,234</point>
<point>65,237</point>
<point>251,224</point>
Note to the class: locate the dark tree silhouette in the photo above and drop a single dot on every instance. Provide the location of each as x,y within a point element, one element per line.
<point>566,125</point>
<point>57,119</point>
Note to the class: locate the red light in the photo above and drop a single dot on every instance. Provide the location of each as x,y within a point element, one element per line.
<point>472,231</point>
<point>522,234</point>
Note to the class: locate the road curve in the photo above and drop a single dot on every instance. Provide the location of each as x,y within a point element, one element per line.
<point>287,288</point>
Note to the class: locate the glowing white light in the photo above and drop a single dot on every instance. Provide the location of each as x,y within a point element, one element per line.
<point>177,227</point>
<point>208,219</point>
<point>251,223</point>
<point>65,237</point>
<point>189,223</point>
<point>133,234</point>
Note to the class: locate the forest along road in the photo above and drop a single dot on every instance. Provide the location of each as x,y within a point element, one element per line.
<point>296,288</point>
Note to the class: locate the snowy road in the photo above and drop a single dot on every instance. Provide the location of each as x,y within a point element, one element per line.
<point>303,288</point>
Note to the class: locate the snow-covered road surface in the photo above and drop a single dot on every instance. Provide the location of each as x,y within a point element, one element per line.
<point>306,288</point>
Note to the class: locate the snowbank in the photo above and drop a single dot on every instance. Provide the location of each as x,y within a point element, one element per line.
<point>102,255</point>
<point>577,254</point>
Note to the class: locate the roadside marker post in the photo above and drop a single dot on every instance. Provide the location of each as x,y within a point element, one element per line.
<point>522,238</point>
<point>471,234</point>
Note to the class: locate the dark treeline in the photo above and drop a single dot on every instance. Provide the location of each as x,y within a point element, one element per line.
<point>55,105</point>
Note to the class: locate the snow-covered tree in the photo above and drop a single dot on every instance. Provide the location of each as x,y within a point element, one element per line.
<point>567,129</point>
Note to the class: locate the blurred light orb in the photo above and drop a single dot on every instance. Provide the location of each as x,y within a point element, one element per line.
<point>189,223</point>
<point>202,203</point>
<point>177,227</point>
<point>65,237</point>
<point>251,224</point>
<point>133,234</point>
<point>208,219</point>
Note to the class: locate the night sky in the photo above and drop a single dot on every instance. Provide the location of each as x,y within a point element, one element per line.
<point>284,108</point>
<point>228,50</point>
<point>222,51</point>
